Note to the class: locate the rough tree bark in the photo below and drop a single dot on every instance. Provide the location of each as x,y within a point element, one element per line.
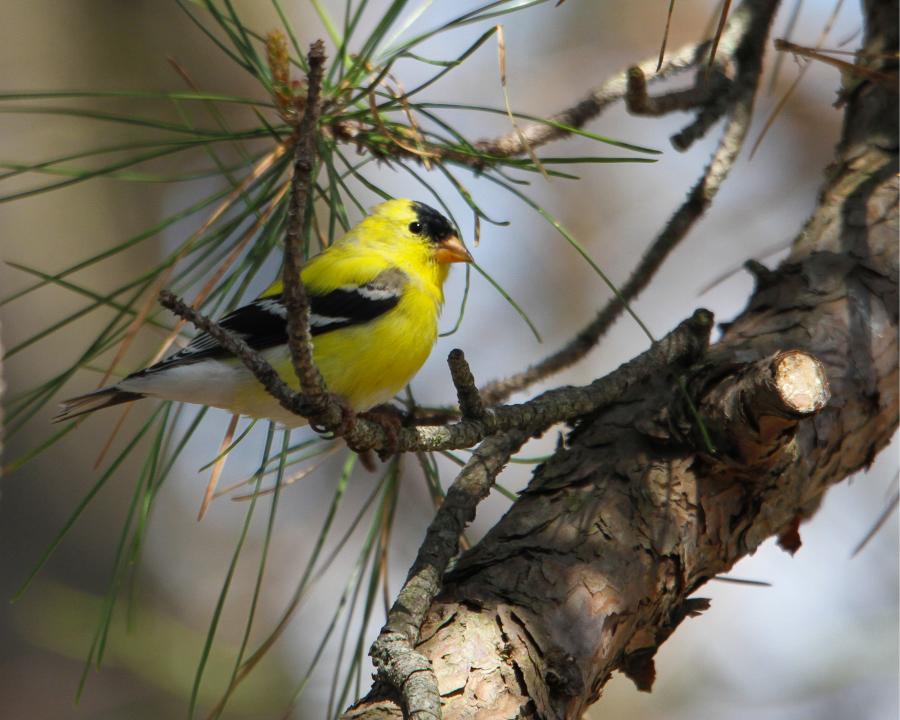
<point>593,567</point>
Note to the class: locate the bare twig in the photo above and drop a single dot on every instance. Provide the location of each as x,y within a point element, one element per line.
<point>323,410</point>
<point>295,298</point>
<point>711,93</point>
<point>682,345</point>
<point>639,102</point>
<point>252,360</point>
<point>470,404</point>
<point>539,133</point>
<point>744,38</point>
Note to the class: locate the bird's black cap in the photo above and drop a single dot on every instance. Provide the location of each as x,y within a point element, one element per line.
<point>434,225</point>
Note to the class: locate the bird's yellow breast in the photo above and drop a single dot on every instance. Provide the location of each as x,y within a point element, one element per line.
<point>368,364</point>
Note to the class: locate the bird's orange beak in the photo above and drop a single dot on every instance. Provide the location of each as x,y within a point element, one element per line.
<point>452,250</point>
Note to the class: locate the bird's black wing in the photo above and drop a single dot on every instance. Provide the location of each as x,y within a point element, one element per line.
<point>262,324</point>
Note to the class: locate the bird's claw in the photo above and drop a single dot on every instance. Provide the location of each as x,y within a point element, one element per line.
<point>348,417</point>
<point>390,419</point>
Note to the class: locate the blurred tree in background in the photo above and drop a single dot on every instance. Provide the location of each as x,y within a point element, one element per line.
<point>183,117</point>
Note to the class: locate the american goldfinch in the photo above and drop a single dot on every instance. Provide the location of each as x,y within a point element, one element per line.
<point>375,295</point>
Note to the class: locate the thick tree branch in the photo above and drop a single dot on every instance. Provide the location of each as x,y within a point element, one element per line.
<point>593,567</point>
<point>393,653</point>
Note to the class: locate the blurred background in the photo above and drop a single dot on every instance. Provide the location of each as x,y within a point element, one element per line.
<point>821,642</point>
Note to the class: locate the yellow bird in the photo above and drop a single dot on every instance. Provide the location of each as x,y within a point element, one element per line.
<point>375,296</point>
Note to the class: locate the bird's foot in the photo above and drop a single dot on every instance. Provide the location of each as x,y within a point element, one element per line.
<point>391,419</point>
<point>348,417</point>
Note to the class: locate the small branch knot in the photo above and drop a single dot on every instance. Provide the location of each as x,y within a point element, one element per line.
<point>801,383</point>
<point>752,409</point>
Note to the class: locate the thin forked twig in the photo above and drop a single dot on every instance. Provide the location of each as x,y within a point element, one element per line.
<point>639,102</point>
<point>746,33</point>
<point>536,134</point>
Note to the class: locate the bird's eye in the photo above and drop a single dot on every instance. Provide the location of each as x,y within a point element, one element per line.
<point>415,228</point>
